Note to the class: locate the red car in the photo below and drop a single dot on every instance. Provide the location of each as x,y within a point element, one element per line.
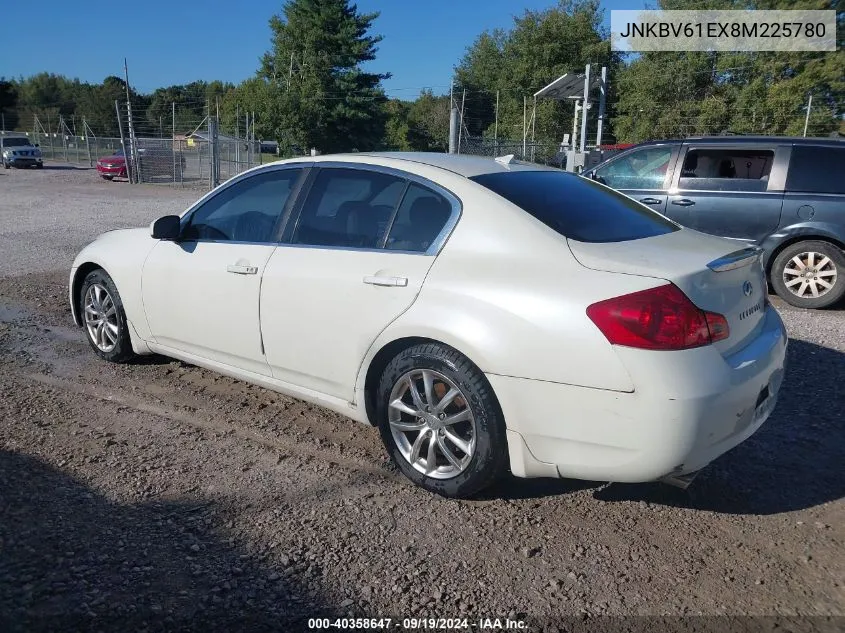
<point>152,161</point>
<point>112,166</point>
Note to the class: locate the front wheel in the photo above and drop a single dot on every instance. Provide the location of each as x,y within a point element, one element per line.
<point>104,319</point>
<point>106,177</point>
<point>441,422</point>
<point>808,274</point>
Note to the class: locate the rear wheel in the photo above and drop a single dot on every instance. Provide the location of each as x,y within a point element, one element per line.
<point>104,318</point>
<point>106,177</point>
<point>440,421</point>
<point>809,274</point>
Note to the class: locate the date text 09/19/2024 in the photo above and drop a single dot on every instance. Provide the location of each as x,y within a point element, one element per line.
<point>418,624</point>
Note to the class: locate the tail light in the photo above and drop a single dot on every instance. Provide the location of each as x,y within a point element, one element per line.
<point>661,318</point>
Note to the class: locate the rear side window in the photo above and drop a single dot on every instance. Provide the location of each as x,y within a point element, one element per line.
<point>726,169</point>
<point>817,170</point>
<point>348,208</point>
<point>576,207</point>
<point>419,220</point>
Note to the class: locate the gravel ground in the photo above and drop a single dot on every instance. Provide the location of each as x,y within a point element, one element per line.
<point>160,496</point>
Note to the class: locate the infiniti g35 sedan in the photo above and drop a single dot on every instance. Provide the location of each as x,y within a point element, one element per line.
<point>483,314</point>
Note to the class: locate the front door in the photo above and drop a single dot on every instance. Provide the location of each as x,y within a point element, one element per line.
<point>731,191</point>
<point>201,293</point>
<point>356,259</point>
<point>642,173</point>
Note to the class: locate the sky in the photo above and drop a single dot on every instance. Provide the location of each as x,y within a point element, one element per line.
<point>169,42</point>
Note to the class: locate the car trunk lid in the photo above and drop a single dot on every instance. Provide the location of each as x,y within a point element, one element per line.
<point>717,275</point>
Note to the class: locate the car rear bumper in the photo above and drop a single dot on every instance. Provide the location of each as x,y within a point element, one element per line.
<point>689,408</point>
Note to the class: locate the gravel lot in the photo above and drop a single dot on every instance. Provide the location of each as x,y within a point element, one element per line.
<point>160,496</point>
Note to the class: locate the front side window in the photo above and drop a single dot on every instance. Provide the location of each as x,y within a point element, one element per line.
<point>246,211</point>
<point>816,170</point>
<point>726,169</point>
<point>348,208</point>
<point>640,169</point>
<point>420,219</point>
<point>577,207</point>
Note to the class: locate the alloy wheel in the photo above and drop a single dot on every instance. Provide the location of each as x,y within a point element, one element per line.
<point>101,318</point>
<point>432,423</point>
<point>810,275</point>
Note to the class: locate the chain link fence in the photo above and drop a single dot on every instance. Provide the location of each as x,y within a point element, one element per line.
<point>535,152</point>
<point>188,152</point>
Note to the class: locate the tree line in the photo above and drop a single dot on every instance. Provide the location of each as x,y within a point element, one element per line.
<point>311,88</point>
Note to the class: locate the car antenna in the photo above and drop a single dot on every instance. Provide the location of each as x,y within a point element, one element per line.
<point>505,160</point>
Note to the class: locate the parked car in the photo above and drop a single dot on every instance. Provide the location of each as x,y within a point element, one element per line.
<point>482,313</point>
<point>786,195</point>
<point>153,161</point>
<point>18,151</point>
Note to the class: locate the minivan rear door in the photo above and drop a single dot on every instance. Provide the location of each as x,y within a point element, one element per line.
<point>732,190</point>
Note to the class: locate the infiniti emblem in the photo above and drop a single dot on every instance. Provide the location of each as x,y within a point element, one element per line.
<point>747,288</point>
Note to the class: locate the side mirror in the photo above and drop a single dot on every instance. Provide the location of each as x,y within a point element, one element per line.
<point>166,228</point>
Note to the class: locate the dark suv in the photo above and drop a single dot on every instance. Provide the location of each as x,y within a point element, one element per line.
<point>786,195</point>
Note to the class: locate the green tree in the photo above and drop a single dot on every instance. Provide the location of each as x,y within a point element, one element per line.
<point>541,46</point>
<point>428,123</point>
<point>667,94</point>
<point>319,95</point>
<point>396,129</point>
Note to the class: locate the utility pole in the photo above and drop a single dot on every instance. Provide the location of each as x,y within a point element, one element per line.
<point>602,103</point>
<point>524,125</point>
<point>496,128</point>
<point>461,128</point>
<point>807,119</point>
<point>583,146</point>
<point>133,146</point>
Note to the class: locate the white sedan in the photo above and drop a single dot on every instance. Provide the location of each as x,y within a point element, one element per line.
<point>483,314</point>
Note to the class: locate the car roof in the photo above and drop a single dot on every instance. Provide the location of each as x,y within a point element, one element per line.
<point>460,164</point>
<point>731,139</point>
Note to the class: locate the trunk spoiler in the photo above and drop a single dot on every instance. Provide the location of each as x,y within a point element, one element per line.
<point>737,259</point>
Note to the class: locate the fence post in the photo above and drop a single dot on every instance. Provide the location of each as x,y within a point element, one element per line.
<point>126,156</point>
<point>87,141</point>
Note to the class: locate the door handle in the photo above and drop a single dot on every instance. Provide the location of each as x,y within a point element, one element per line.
<point>651,201</point>
<point>242,270</point>
<point>375,280</point>
<point>683,202</point>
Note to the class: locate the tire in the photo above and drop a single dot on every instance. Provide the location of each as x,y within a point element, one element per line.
<point>114,345</point>
<point>7,165</point>
<point>481,428</point>
<point>800,256</point>
<point>39,165</point>
<point>108,177</point>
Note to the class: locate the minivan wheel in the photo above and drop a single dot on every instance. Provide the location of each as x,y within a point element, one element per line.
<point>441,422</point>
<point>809,274</point>
<point>104,319</point>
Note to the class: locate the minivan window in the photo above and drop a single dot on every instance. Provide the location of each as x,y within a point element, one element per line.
<point>639,169</point>
<point>726,169</point>
<point>576,207</point>
<point>816,169</point>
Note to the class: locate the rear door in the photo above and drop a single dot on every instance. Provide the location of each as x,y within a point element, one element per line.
<point>352,261</point>
<point>643,173</point>
<point>730,190</point>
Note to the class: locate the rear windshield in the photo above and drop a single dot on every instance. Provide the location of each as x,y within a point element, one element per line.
<point>576,207</point>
